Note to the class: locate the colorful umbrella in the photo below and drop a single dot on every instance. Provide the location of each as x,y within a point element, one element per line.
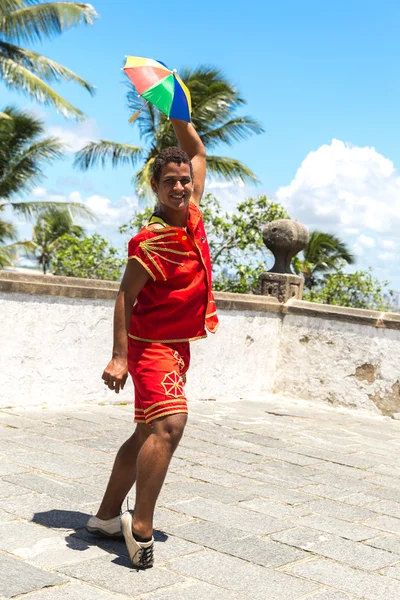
<point>160,86</point>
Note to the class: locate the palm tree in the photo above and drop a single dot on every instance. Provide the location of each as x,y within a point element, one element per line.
<point>215,101</point>
<point>23,151</point>
<point>49,228</point>
<point>28,71</point>
<point>7,251</point>
<point>324,253</point>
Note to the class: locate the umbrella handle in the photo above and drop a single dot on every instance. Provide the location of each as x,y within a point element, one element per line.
<point>137,113</point>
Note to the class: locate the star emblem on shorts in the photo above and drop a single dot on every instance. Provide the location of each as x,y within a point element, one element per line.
<point>173,385</point>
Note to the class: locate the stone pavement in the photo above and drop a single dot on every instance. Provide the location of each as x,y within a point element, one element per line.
<point>272,501</point>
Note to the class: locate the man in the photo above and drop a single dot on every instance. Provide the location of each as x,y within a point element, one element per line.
<point>164,302</point>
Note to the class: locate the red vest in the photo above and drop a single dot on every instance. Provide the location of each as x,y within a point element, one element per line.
<point>177,302</point>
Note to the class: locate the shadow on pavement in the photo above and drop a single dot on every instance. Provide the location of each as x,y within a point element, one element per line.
<point>61,519</point>
<point>81,539</point>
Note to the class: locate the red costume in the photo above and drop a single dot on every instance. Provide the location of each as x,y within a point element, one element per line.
<point>174,307</point>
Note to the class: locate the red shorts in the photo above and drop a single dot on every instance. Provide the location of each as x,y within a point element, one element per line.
<point>158,374</point>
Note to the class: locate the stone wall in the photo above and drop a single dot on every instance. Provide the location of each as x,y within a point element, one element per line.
<point>339,362</point>
<point>55,340</point>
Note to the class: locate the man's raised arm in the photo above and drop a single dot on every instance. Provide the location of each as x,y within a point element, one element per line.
<point>191,143</point>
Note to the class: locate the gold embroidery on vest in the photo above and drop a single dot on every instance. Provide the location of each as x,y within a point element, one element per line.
<point>153,247</point>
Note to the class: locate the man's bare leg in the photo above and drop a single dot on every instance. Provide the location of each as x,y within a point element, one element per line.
<point>123,474</point>
<point>152,466</point>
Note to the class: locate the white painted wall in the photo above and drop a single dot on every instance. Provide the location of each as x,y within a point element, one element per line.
<point>239,361</point>
<point>318,360</point>
<point>54,351</point>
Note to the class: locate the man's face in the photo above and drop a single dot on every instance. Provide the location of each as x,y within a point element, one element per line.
<point>175,186</point>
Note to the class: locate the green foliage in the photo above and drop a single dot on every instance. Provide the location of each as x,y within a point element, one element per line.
<point>7,251</point>
<point>240,230</point>
<point>23,152</point>
<point>50,227</point>
<point>239,256</point>
<point>237,250</point>
<point>358,290</point>
<point>30,72</point>
<point>8,254</point>
<point>243,279</point>
<point>137,222</point>
<point>324,253</point>
<point>90,257</point>
<point>215,102</point>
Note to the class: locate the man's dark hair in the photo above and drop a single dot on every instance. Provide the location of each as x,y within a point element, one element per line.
<point>171,154</point>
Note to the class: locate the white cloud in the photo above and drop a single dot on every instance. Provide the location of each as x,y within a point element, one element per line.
<point>230,193</point>
<point>39,192</point>
<point>388,244</point>
<point>386,256</point>
<point>216,184</point>
<point>75,197</point>
<point>347,231</point>
<point>102,208</point>
<point>363,244</point>
<point>75,136</point>
<point>341,187</point>
<point>110,215</point>
<point>366,242</point>
<point>354,193</point>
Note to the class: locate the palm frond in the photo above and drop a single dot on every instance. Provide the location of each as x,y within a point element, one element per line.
<point>325,253</point>
<point>19,77</point>
<point>6,123</point>
<point>8,255</point>
<point>33,23</point>
<point>142,180</point>
<point>45,150</point>
<point>27,245</point>
<point>214,100</point>
<point>101,152</point>
<point>235,130</point>
<point>13,112</point>
<point>24,171</point>
<point>19,129</point>
<point>149,117</point>
<point>206,78</point>
<point>230,169</point>
<point>217,103</point>
<point>7,6</point>
<point>31,209</point>
<point>8,231</point>
<point>165,135</point>
<point>46,69</point>
<point>323,246</point>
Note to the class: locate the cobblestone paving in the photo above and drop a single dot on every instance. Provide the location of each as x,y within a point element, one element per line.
<point>272,501</point>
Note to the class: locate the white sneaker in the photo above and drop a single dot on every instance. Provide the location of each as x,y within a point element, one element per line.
<point>108,527</point>
<point>140,553</point>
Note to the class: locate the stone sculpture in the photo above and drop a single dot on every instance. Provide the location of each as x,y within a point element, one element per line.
<point>284,238</point>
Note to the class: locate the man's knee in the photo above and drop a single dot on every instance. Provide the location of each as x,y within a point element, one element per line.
<point>142,431</point>
<point>170,428</point>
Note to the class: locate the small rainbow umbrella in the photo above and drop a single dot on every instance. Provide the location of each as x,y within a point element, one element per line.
<point>160,86</point>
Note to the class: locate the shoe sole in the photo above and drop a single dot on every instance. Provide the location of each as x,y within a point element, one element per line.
<point>105,534</point>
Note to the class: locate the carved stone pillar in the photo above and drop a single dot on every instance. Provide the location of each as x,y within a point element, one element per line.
<point>285,238</point>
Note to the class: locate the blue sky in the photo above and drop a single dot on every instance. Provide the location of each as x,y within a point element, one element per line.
<point>322,77</point>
